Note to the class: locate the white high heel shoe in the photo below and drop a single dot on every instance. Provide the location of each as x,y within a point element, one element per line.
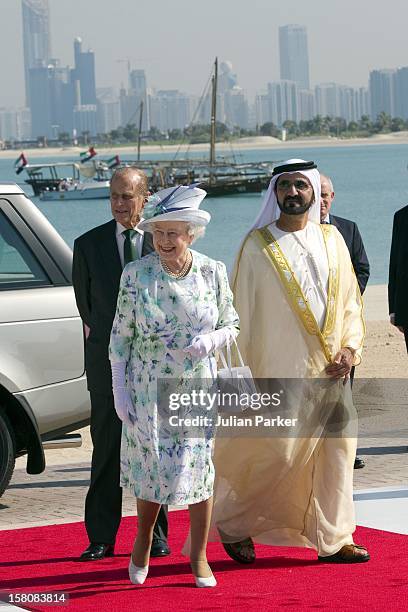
<point>137,575</point>
<point>201,582</point>
<point>205,582</point>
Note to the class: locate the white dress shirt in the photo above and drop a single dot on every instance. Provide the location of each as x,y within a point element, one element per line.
<point>137,241</point>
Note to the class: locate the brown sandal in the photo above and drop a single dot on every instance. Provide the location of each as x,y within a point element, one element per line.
<point>349,553</point>
<point>235,550</point>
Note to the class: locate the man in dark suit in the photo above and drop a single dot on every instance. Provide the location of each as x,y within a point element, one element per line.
<point>99,257</point>
<point>352,238</point>
<point>398,273</point>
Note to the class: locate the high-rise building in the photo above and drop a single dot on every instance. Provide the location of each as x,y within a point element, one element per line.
<point>348,104</point>
<point>85,119</point>
<point>171,109</point>
<point>131,100</point>
<point>108,109</point>
<point>40,101</point>
<point>137,81</point>
<point>294,56</point>
<point>236,108</point>
<point>382,92</point>
<point>130,109</point>
<point>83,90</point>
<point>401,93</point>
<point>284,97</point>
<point>227,80</point>
<point>306,104</point>
<point>15,124</point>
<point>327,99</point>
<point>8,124</point>
<point>85,73</point>
<point>36,37</point>
<point>334,100</point>
<point>263,110</point>
<point>362,102</point>
<point>23,124</point>
<point>52,100</point>
<point>281,103</point>
<point>232,105</point>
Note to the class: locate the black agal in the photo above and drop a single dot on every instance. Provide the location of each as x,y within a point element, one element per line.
<point>296,167</point>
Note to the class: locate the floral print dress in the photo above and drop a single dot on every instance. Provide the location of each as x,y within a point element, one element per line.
<point>157,316</point>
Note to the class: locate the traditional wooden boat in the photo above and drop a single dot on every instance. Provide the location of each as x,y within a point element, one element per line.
<point>218,177</point>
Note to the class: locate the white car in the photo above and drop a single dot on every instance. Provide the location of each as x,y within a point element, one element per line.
<point>43,392</point>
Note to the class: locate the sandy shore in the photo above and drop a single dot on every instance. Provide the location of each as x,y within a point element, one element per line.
<point>258,142</point>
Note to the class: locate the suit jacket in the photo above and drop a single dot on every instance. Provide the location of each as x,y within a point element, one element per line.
<point>96,275</point>
<point>398,270</point>
<point>352,238</point>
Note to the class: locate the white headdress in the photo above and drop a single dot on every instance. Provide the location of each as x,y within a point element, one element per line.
<point>270,210</point>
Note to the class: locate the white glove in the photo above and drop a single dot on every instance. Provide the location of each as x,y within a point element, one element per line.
<point>204,344</point>
<point>121,395</point>
<point>223,336</point>
<point>200,346</point>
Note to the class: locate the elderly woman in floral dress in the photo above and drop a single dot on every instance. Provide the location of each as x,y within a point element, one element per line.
<point>174,309</point>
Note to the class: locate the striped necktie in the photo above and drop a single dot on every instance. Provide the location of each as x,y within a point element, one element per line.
<point>129,250</point>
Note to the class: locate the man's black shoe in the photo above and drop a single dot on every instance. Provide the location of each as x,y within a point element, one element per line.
<point>94,552</point>
<point>159,548</point>
<point>358,463</point>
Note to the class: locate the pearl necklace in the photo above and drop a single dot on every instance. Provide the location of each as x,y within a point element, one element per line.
<point>184,270</point>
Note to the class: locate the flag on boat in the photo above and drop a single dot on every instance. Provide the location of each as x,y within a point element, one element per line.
<point>87,155</point>
<point>20,163</point>
<point>113,162</point>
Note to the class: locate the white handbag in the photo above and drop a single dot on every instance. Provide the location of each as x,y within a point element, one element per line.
<point>235,383</point>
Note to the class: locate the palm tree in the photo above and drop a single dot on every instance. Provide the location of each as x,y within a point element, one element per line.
<point>383,122</point>
<point>365,123</point>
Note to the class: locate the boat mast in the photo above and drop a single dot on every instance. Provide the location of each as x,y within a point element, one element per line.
<point>213,117</point>
<point>140,129</point>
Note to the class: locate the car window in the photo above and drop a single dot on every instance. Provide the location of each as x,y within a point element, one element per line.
<point>18,265</point>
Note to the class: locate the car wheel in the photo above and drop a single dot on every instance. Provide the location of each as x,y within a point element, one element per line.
<point>7,452</point>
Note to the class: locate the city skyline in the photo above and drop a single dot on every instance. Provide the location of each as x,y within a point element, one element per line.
<point>65,99</point>
<point>180,57</point>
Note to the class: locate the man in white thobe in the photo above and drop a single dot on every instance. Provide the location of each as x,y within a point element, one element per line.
<point>301,317</point>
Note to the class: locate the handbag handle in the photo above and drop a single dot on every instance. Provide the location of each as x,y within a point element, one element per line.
<point>227,362</point>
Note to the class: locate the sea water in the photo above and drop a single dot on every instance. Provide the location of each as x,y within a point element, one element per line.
<point>370,183</point>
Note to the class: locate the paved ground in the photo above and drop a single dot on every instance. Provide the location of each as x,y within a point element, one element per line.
<point>57,495</point>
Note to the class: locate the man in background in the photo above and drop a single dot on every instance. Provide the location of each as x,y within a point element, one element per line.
<point>397,280</point>
<point>352,238</point>
<point>99,257</point>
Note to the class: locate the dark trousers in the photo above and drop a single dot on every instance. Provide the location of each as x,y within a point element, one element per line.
<point>406,337</point>
<point>103,505</point>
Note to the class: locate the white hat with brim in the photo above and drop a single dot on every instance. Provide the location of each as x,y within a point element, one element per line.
<point>179,203</point>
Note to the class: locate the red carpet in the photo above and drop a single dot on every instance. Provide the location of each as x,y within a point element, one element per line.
<point>43,559</point>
